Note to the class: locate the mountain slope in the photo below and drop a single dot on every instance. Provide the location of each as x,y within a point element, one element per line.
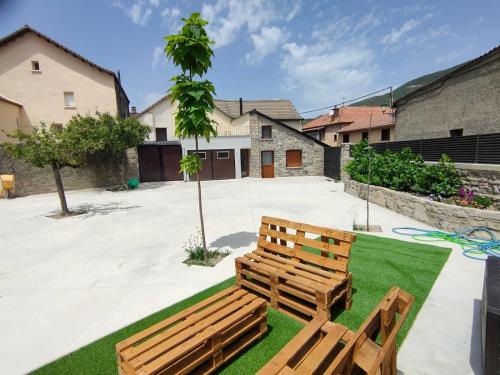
<point>405,88</point>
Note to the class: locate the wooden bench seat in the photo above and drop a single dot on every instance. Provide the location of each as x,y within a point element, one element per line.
<point>329,348</point>
<point>294,281</point>
<point>197,340</point>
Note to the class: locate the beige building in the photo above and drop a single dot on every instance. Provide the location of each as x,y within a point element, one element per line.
<point>49,83</point>
<point>351,124</point>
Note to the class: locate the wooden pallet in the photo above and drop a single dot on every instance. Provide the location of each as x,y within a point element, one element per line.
<point>197,340</point>
<point>329,348</point>
<point>294,281</point>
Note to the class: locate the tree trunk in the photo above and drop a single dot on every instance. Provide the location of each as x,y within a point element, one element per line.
<point>60,188</point>
<point>200,207</point>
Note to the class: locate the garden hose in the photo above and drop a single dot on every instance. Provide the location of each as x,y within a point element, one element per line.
<point>472,247</point>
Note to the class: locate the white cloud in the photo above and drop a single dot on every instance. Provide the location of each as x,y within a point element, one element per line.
<point>158,56</point>
<point>396,34</point>
<point>265,43</point>
<point>337,63</point>
<point>155,3</point>
<point>139,12</point>
<point>294,9</point>
<point>227,17</point>
<point>171,18</point>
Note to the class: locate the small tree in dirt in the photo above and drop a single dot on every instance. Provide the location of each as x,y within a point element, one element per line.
<point>190,50</point>
<point>81,137</point>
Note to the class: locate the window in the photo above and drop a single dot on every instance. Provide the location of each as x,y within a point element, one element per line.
<point>161,134</point>
<point>202,155</point>
<point>56,127</point>
<point>222,154</point>
<point>385,135</point>
<point>456,132</point>
<point>293,158</point>
<point>345,138</point>
<point>69,99</point>
<point>335,137</point>
<point>35,66</point>
<point>322,135</point>
<point>267,132</point>
<point>364,136</point>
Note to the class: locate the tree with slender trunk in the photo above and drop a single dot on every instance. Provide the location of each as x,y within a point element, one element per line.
<point>190,50</point>
<point>50,146</point>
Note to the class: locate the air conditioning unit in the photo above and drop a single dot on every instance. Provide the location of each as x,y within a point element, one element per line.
<point>490,323</point>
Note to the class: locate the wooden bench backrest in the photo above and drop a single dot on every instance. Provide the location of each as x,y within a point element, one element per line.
<point>335,245</point>
<point>384,321</point>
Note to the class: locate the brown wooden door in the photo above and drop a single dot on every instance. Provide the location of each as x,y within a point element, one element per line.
<point>245,162</point>
<point>223,164</point>
<point>149,163</point>
<point>267,164</point>
<point>171,156</point>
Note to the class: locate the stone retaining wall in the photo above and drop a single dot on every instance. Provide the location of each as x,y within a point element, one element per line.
<point>440,215</point>
<point>100,172</point>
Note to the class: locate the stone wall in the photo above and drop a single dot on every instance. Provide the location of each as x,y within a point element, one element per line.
<point>468,101</point>
<point>100,172</point>
<point>440,215</point>
<point>283,139</point>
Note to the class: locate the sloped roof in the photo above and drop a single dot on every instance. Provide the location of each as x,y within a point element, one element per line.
<point>10,101</point>
<point>455,72</point>
<point>27,29</point>
<point>354,118</point>
<point>305,135</point>
<point>280,109</point>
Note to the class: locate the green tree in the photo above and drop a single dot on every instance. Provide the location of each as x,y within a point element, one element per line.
<point>190,50</point>
<point>70,146</point>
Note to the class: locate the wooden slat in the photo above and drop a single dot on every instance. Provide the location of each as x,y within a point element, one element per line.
<point>318,260</point>
<point>343,249</point>
<point>280,360</point>
<point>175,318</point>
<point>332,233</point>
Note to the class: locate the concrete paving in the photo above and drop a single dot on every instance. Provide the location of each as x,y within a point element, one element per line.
<point>65,283</point>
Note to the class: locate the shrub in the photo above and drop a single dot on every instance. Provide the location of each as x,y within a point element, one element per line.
<point>482,202</point>
<point>403,171</point>
<point>197,255</point>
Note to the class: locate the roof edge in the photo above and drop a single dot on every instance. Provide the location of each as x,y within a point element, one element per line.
<point>254,111</point>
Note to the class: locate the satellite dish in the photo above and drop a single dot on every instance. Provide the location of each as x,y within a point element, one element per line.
<point>330,112</point>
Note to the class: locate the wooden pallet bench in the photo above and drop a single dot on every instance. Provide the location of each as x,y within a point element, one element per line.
<point>328,348</point>
<point>197,340</point>
<point>295,281</point>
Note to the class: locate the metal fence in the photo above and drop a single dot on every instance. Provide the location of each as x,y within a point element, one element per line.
<point>479,149</point>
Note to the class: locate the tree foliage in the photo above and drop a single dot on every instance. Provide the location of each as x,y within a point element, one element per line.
<point>403,171</point>
<point>190,50</point>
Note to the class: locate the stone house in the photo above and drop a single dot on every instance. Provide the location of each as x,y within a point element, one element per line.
<point>235,152</point>
<point>43,81</point>
<point>463,102</point>
<point>351,124</point>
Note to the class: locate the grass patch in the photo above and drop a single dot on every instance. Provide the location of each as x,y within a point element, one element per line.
<point>376,263</point>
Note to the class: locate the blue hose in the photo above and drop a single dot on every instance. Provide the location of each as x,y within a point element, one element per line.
<point>472,247</point>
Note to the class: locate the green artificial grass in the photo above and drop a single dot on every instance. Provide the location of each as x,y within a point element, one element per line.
<point>376,264</point>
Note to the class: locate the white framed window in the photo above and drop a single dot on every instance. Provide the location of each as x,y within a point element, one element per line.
<point>222,154</point>
<point>35,66</point>
<point>56,127</point>
<point>202,155</point>
<point>69,99</point>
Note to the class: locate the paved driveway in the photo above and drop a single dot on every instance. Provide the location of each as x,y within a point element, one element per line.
<point>65,283</point>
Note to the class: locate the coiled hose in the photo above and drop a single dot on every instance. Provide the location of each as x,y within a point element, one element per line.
<point>472,247</point>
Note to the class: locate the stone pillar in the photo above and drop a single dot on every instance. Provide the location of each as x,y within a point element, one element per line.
<point>254,146</point>
<point>345,150</point>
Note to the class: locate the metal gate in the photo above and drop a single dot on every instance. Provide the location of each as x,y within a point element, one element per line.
<point>332,162</point>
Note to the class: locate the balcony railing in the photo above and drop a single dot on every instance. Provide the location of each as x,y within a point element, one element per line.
<point>227,131</point>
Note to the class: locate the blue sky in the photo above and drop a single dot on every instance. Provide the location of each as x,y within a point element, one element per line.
<point>312,52</point>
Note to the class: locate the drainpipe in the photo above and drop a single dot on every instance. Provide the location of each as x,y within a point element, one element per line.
<point>241,106</point>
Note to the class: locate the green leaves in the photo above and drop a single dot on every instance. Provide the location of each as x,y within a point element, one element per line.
<point>191,164</point>
<point>403,171</point>
<point>190,48</point>
<point>82,136</point>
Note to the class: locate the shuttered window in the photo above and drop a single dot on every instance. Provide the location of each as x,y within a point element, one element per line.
<point>293,158</point>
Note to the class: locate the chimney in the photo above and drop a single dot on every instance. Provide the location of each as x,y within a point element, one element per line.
<point>241,106</point>
<point>134,110</point>
<point>336,112</point>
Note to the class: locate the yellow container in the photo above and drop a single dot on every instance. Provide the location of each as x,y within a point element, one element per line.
<point>7,181</point>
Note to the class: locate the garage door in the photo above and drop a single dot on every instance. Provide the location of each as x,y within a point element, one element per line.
<point>217,164</point>
<point>159,162</point>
